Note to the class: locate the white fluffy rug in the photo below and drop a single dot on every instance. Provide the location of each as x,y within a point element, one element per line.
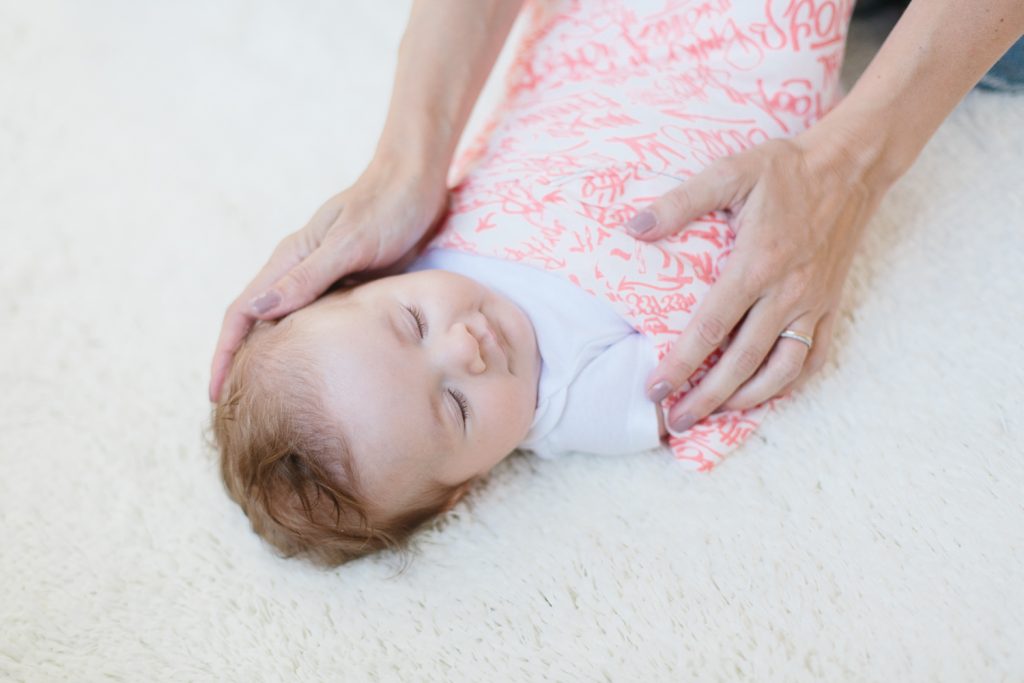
<point>151,155</point>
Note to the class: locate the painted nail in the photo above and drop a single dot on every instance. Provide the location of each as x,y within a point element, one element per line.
<point>264,302</point>
<point>682,423</point>
<point>659,391</point>
<point>641,223</point>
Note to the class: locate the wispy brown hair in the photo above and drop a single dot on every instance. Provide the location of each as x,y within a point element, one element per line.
<point>285,462</point>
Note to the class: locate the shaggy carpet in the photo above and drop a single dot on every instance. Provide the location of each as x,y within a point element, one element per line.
<point>151,155</point>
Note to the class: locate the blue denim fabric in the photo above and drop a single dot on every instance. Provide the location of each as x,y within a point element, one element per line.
<point>1007,75</point>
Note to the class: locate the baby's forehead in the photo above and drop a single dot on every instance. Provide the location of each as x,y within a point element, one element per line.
<point>349,345</point>
<point>331,306</point>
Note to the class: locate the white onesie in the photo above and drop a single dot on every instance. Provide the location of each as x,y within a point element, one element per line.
<point>593,363</point>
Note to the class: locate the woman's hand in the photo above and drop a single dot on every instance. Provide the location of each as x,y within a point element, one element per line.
<point>376,223</point>
<point>798,207</point>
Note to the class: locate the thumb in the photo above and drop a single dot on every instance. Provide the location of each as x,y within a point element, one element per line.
<point>716,187</point>
<point>306,280</point>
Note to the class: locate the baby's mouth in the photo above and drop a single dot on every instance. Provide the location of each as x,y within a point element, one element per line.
<point>500,340</point>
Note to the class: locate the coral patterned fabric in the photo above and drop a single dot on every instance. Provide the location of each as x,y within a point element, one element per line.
<point>609,105</point>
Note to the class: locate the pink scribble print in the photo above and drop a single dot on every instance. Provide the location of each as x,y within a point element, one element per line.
<point>609,105</point>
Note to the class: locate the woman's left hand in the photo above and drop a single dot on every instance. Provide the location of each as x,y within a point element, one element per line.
<point>798,207</point>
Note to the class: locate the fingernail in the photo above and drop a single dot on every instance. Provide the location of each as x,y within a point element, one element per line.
<point>659,391</point>
<point>641,223</point>
<point>264,302</point>
<point>682,423</point>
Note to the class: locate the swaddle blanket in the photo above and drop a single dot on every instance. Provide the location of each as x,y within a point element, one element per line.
<point>608,106</point>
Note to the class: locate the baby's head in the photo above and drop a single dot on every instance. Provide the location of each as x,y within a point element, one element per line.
<point>349,423</point>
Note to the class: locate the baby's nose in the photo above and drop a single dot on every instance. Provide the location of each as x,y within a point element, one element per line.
<point>464,349</point>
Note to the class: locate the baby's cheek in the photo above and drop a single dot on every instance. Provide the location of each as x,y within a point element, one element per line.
<point>524,406</point>
<point>509,413</point>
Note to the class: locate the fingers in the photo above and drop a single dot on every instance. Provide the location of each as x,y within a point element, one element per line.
<point>307,280</point>
<point>784,365</point>
<point>302,284</point>
<point>716,187</point>
<point>742,359</point>
<point>236,325</point>
<point>819,354</point>
<point>725,304</point>
<point>239,318</point>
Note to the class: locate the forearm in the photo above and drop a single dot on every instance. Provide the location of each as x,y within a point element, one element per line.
<point>936,53</point>
<point>445,56</point>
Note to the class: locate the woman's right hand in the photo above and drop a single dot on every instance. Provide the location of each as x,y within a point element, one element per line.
<point>376,223</point>
<point>379,222</point>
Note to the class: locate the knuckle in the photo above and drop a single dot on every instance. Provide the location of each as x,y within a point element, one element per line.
<point>362,248</point>
<point>287,245</point>
<point>679,202</point>
<point>708,400</point>
<point>740,402</point>
<point>748,361</point>
<point>726,171</point>
<point>797,284</point>
<point>711,330</point>
<point>678,370</point>
<point>756,276</point>
<point>298,279</point>
<point>790,296</point>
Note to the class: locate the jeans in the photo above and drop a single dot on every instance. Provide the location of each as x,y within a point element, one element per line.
<point>1008,73</point>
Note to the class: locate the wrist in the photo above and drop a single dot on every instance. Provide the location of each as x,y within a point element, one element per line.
<point>419,166</point>
<point>859,145</point>
<point>929,61</point>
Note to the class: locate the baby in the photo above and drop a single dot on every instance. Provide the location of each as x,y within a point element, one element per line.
<point>349,423</point>
<point>533,318</point>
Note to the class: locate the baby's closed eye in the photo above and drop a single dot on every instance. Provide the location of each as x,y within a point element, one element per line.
<point>421,320</point>
<point>460,398</point>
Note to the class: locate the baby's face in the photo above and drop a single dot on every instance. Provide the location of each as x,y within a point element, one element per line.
<point>395,383</point>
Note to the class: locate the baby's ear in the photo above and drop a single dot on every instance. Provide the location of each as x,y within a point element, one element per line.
<point>457,495</point>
